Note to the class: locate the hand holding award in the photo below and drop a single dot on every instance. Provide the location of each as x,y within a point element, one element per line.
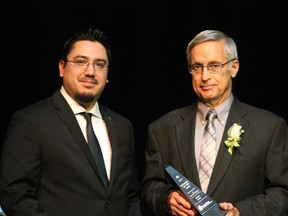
<point>201,201</point>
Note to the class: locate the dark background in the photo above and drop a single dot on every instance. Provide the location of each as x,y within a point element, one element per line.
<point>148,76</point>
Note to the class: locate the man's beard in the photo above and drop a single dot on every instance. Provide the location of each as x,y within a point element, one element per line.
<point>84,98</point>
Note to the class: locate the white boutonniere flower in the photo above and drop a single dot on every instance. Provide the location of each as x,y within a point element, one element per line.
<point>234,137</point>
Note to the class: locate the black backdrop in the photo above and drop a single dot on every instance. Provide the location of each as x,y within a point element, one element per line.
<point>148,76</point>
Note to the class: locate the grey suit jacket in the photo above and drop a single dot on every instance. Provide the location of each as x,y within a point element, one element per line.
<point>254,177</point>
<point>47,168</point>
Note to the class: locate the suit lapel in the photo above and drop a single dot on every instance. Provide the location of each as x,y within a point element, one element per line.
<point>69,119</point>
<point>185,142</point>
<point>113,140</point>
<point>224,159</point>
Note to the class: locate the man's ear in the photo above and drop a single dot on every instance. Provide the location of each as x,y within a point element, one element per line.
<point>235,68</point>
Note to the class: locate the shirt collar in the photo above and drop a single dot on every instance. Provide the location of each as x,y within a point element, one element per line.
<point>77,108</point>
<point>222,110</point>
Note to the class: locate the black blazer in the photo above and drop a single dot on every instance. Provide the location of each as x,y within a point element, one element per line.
<point>254,177</point>
<point>47,168</point>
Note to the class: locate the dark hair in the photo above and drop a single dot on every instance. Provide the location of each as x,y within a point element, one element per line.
<point>91,34</point>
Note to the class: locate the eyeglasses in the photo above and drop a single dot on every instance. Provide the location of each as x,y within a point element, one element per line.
<point>213,67</point>
<point>99,65</point>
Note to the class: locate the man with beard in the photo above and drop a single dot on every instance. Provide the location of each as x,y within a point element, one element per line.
<point>47,166</point>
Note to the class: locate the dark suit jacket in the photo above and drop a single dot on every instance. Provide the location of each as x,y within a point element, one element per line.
<point>254,178</point>
<point>47,168</point>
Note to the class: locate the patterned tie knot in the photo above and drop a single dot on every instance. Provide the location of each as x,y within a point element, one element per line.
<point>211,115</point>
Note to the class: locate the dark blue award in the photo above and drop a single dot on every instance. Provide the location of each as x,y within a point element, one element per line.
<point>205,205</point>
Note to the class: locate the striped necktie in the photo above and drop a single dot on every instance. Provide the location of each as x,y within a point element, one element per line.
<point>208,151</point>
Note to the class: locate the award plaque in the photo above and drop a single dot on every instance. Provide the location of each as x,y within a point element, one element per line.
<point>201,201</point>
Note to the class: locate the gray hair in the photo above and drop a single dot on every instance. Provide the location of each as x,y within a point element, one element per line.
<point>214,35</point>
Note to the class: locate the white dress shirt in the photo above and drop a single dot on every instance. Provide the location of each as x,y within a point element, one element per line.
<point>98,124</point>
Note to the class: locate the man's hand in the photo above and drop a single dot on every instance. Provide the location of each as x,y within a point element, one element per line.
<point>179,205</point>
<point>232,210</point>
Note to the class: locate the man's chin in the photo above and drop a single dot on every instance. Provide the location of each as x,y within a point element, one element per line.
<point>85,98</point>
